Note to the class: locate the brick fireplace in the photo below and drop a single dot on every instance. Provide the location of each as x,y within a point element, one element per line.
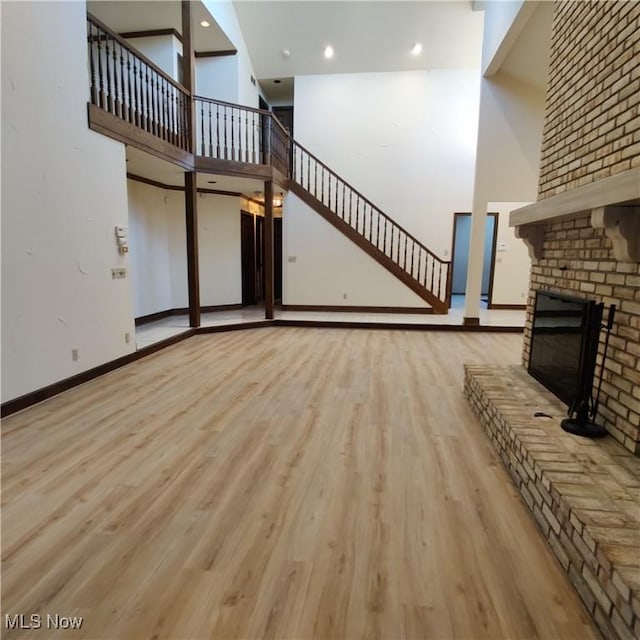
<point>575,257</point>
<point>583,235</point>
<point>584,231</point>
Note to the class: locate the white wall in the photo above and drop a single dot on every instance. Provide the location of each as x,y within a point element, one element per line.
<point>149,255</point>
<point>405,140</point>
<point>508,157</point>
<point>161,50</point>
<point>509,140</point>
<point>224,14</point>
<point>511,274</point>
<point>64,191</point>
<point>509,134</point>
<point>217,78</point>
<point>177,249</point>
<point>328,265</point>
<point>219,250</point>
<point>159,253</point>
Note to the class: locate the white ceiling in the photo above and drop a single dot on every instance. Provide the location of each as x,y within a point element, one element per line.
<point>145,165</point>
<point>145,15</point>
<point>366,35</point>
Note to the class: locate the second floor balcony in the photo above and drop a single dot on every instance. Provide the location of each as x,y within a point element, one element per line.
<point>136,102</point>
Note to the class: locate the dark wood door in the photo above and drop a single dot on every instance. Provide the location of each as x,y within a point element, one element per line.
<point>285,115</point>
<point>260,259</point>
<point>248,250</point>
<point>264,128</point>
<point>277,258</point>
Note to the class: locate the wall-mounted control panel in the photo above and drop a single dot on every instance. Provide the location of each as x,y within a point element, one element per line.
<point>122,240</point>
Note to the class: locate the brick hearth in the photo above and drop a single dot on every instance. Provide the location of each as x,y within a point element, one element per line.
<point>582,493</point>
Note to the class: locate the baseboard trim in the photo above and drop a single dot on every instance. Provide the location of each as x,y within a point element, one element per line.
<point>152,317</point>
<point>183,311</point>
<point>258,324</point>
<point>351,309</point>
<point>506,307</point>
<point>44,393</point>
<point>400,326</point>
<point>34,397</point>
<point>219,307</point>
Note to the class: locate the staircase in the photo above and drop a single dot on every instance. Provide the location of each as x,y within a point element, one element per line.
<point>134,101</point>
<point>234,133</point>
<point>370,228</point>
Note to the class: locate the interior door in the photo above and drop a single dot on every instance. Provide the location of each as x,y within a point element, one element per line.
<point>248,251</point>
<point>277,259</point>
<point>285,115</point>
<point>260,279</point>
<point>264,130</point>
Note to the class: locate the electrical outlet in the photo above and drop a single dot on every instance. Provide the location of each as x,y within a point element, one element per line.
<point>127,337</point>
<point>118,274</point>
<point>75,354</point>
<point>344,296</point>
<point>292,258</point>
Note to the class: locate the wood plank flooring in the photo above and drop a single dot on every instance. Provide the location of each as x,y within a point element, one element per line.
<point>277,483</point>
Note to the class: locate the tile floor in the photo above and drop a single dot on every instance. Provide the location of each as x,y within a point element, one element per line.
<point>153,332</point>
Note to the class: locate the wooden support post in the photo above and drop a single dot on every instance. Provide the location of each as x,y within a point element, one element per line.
<point>268,250</point>
<point>190,177</point>
<point>188,72</point>
<point>193,270</point>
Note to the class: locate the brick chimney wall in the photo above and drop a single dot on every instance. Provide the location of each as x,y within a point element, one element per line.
<point>591,132</point>
<point>592,116</point>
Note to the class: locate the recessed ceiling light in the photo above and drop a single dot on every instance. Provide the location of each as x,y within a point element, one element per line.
<point>204,23</point>
<point>416,50</point>
<point>277,81</point>
<point>328,52</point>
<point>286,53</point>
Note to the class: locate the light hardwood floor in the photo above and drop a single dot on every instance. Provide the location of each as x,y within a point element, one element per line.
<point>277,483</point>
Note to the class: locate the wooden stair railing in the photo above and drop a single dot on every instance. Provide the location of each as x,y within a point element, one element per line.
<point>371,229</point>
<point>130,87</point>
<point>227,131</point>
<point>127,85</point>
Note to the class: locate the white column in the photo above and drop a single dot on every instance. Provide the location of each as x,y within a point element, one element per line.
<point>476,262</point>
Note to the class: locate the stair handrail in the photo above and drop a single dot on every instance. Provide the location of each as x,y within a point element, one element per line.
<point>241,107</point>
<point>234,105</point>
<point>367,201</point>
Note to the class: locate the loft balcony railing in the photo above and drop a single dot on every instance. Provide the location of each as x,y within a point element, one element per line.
<point>132,88</point>
<point>226,131</point>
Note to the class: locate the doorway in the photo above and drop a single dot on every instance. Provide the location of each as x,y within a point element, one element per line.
<point>248,253</point>
<point>285,115</point>
<point>252,258</point>
<point>460,257</point>
<point>277,259</point>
